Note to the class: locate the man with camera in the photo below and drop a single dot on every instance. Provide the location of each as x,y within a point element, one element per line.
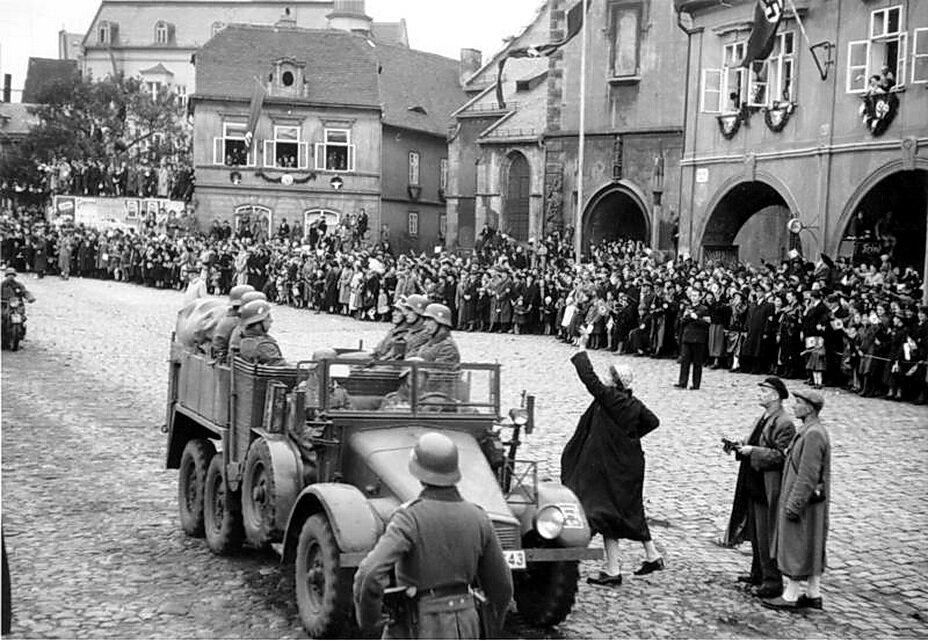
<point>758,489</point>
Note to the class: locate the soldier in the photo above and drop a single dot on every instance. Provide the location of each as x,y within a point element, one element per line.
<point>440,347</point>
<point>416,335</point>
<point>393,344</point>
<point>440,546</point>
<point>235,338</point>
<point>257,346</point>
<point>224,329</point>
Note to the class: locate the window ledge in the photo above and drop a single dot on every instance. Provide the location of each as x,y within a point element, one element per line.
<point>625,80</point>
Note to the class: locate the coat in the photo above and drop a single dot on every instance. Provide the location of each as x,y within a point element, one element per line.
<point>603,462</point>
<point>799,545</point>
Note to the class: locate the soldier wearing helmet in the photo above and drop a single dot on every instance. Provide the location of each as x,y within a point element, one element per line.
<point>440,547</point>
<point>223,331</point>
<point>440,347</point>
<point>393,345</point>
<point>416,334</point>
<point>235,339</point>
<point>257,346</point>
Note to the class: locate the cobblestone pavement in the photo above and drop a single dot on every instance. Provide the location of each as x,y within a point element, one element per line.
<point>90,515</point>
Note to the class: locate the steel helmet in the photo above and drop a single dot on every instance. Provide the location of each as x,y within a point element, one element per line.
<point>255,312</point>
<point>439,313</point>
<point>416,303</point>
<point>236,293</point>
<point>249,297</point>
<point>9,271</point>
<point>434,460</point>
<point>400,303</point>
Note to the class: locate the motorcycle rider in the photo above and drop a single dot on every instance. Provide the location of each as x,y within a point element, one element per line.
<point>257,345</point>
<point>440,546</point>
<point>11,288</point>
<point>223,331</point>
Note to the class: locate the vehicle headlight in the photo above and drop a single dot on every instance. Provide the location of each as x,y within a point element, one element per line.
<point>549,522</point>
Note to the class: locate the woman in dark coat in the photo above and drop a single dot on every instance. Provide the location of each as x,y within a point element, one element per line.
<point>604,465</point>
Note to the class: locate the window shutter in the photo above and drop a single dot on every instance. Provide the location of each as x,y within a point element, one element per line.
<point>171,31</point>
<point>351,155</point>
<point>920,56</point>
<point>218,156</point>
<point>114,33</point>
<point>711,91</point>
<point>319,152</point>
<point>902,59</point>
<point>857,52</point>
<point>303,156</point>
<point>270,153</point>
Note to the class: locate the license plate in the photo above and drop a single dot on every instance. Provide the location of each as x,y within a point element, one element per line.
<point>16,318</point>
<point>515,559</point>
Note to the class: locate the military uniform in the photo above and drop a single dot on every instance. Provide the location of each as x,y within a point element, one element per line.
<point>258,347</point>
<point>222,334</point>
<point>440,544</point>
<point>415,337</point>
<point>440,348</point>
<point>386,349</point>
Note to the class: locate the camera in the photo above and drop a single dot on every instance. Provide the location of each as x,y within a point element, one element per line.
<point>729,445</point>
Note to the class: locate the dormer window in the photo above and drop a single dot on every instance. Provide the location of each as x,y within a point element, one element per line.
<point>217,27</point>
<point>287,77</point>
<point>105,33</point>
<point>161,33</point>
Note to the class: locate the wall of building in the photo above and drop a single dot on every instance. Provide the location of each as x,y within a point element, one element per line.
<point>463,154</point>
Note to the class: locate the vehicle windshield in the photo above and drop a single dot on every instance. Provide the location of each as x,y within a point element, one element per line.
<point>408,387</point>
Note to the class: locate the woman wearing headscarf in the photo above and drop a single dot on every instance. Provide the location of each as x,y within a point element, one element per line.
<point>604,465</point>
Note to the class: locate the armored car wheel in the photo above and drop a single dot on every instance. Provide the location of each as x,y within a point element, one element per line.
<point>259,500</point>
<point>191,482</point>
<point>223,514</point>
<point>545,592</point>
<point>323,589</point>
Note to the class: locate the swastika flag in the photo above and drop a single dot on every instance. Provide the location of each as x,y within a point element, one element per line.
<point>767,16</point>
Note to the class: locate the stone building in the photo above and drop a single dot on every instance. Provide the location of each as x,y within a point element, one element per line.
<point>515,166</point>
<point>347,124</point>
<point>837,140</point>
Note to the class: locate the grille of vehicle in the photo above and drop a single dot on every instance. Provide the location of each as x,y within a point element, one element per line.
<point>508,535</point>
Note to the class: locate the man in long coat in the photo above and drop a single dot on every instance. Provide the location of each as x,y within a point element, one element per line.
<point>802,515</point>
<point>604,465</point>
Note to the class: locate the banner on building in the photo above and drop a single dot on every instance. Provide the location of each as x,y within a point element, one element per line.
<point>767,16</point>
<point>254,113</point>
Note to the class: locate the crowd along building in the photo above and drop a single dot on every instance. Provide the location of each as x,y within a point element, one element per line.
<point>822,145</point>
<point>514,149</point>
<point>305,124</point>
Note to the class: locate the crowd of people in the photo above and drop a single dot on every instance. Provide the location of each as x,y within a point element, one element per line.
<point>159,177</point>
<point>830,321</point>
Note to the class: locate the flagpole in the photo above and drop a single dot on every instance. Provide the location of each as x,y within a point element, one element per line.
<point>581,138</point>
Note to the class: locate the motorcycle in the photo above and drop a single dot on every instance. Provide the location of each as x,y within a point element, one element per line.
<point>14,322</point>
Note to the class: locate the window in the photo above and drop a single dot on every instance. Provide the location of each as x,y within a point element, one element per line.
<point>161,33</point>
<point>252,220</point>
<point>231,149</point>
<point>878,64</point>
<point>285,151</point>
<point>105,33</point>
<point>711,91</point>
<point>920,56</point>
<point>217,27</point>
<point>443,171</point>
<point>412,221</point>
<point>773,80</point>
<point>337,152</point>
<point>413,168</point>
<point>443,225</point>
<point>623,33</point>
<point>181,92</point>
<point>725,90</point>
<point>153,87</point>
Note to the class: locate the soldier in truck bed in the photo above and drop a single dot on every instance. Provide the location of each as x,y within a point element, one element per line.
<point>257,346</point>
<point>393,345</point>
<point>416,334</point>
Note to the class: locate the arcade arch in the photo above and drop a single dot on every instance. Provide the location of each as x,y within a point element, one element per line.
<point>617,211</point>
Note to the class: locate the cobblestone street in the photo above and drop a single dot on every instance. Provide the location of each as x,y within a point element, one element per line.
<point>96,550</point>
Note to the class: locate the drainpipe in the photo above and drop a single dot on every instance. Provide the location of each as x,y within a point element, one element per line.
<point>686,102</point>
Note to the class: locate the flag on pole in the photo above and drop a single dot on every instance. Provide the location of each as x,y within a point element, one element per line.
<point>574,24</point>
<point>257,101</point>
<point>767,16</point>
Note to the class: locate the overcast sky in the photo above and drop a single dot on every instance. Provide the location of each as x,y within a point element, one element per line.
<point>30,27</point>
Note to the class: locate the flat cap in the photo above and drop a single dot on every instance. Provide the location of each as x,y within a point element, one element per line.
<point>775,383</point>
<point>812,397</point>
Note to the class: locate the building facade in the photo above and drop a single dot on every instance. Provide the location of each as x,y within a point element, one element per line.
<point>525,152</point>
<point>837,139</point>
<point>156,39</point>
<point>346,124</point>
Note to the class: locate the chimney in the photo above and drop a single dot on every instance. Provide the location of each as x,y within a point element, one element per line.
<point>287,19</point>
<point>7,87</point>
<point>471,61</point>
<point>349,15</point>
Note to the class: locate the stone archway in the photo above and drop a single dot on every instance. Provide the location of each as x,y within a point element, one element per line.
<point>615,212</point>
<point>518,197</point>
<point>747,222</point>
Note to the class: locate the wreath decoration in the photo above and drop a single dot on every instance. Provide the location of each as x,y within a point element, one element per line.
<point>778,115</point>
<point>287,179</point>
<point>729,124</point>
<point>878,112</point>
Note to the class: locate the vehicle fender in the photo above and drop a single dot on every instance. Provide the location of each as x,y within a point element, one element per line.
<point>355,524</point>
<point>287,466</point>
<point>576,532</point>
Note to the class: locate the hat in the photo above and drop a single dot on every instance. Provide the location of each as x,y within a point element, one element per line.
<point>775,383</point>
<point>622,373</point>
<point>812,397</point>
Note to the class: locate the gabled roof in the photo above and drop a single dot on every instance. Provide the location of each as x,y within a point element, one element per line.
<point>342,68</point>
<point>43,72</point>
<point>158,69</point>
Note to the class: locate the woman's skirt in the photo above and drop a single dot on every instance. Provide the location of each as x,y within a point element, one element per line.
<point>716,340</point>
<point>733,341</point>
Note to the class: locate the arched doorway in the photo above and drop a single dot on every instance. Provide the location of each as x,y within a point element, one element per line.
<point>748,223</point>
<point>889,218</point>
<point>517,198</point>
<point>615,212</point>
<point>249,219</point>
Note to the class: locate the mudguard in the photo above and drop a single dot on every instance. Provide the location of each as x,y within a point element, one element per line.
<point>576,532</point>
<point>354,523</point>
<point>288,475</point>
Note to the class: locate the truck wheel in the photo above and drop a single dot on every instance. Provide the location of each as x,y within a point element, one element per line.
<point>259,499</point>
<point>323,589</point>
<point>545,592</point>
<point>191,479</point>
<point>223,516</point>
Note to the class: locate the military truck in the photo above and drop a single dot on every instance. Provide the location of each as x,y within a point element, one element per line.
<point>311,460</point>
